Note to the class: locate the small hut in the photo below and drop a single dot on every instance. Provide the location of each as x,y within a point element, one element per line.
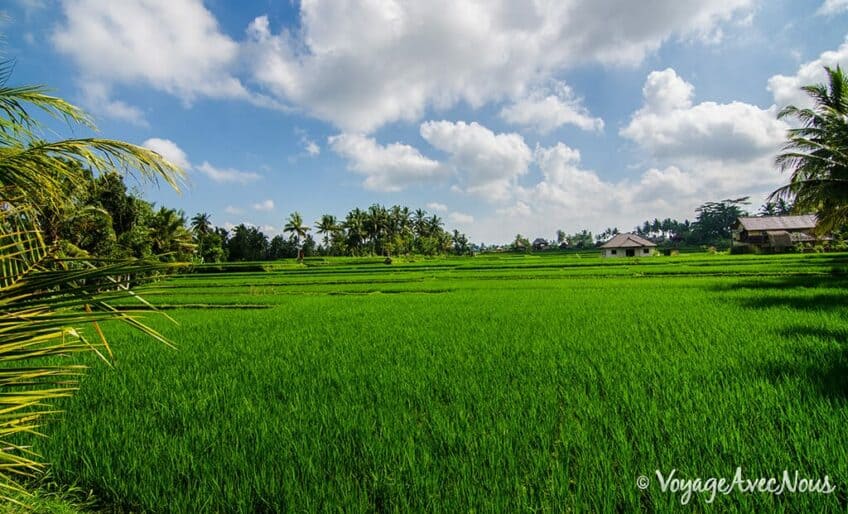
<point>627,245</point>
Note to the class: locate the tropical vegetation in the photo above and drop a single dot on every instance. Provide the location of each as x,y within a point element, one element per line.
<point>816,153</point>
<point>63,263</point>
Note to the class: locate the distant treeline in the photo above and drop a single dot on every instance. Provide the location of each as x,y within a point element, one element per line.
<point>106,220</point>
<point>711,227</point>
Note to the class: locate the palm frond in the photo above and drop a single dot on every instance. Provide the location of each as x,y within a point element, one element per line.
<point>45,304</point>
<point>23,167</point>
<point>48,304</point>
<point>816,153</point>
<point>17,121</point>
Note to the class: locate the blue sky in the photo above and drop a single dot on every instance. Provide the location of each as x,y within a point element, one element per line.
<point>500,116</point>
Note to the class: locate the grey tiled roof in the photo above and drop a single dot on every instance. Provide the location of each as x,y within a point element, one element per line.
<point>627,241</point>
<point>803,222</point>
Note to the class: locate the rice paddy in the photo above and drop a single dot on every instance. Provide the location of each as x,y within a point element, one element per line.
<point>493,383</point>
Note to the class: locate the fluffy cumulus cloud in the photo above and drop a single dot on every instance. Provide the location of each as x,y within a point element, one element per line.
<point>430,52</point>
<point>669,126</point>
<point>565,183</point>
<point>787,88</point>
<point>701,151</point>
<point>573,198</point>
<point>172,45</point>
<point>832,7</point>
<point>169,150</point>
<point>566,197</point>
<point>175,46</point>
<point>172,152</point>
<point>389,167</point>
<point>436,206</point>
<point>487,164</point>
<point>548,108</point>
<point>695,152</point>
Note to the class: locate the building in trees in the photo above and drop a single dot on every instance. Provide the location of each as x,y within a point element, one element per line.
<point>540,244</point>
<point>627,245</point>
<point>775,233</point>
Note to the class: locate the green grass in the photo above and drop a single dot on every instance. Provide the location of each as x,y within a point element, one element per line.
<point>494,383</point>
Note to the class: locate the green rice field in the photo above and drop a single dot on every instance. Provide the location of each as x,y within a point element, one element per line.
<point>496,383</point>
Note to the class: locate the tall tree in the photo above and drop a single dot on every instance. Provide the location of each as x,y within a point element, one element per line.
<point>246,243</point>
<point>201,223</point>
<point>354,224</point>
<point>376,224</point>
<point>327,226</point>
<point>560,236</point>
<point>294,226</point>
<point>816,153</point>
<point>778,207</point>
<point>171,240</point>
<point>419,218</point>
<point>715,219</point>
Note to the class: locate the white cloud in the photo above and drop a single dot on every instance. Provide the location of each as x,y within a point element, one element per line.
<point>787,89</point>
<point>518,210</point>
<point>669,183</point>
<point>436,54</point>
<point>566,185</point>
<point>435,206</point>
<point>312,148</point>
<point>233,210</point>
<point>488,164</point>
<point>97,100</point>
<point>832,7</point>
<point>573,198</point>
<point>265,205</point>
<point>566,197</point>
<point>174,46</point>
<point>431,54</point>
<point>386,168</point>
<point>546,109</point>
<point>460,218</point>
<point>227,175</point>
<point>169,150</point>
<point>664,91</point>
<point>693,158</point>
<point>669,126</point>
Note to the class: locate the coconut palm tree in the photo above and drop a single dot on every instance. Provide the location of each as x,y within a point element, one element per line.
<point>354,224</point>
<point>434,224</point>
<point>327,226</point>
<point>298,230</point>
<point>376,223</point>
<point>201,223</point>
<point>420,220</point>
<point>171,240</point>
<point>46,298</point>
<point>816,153</point>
